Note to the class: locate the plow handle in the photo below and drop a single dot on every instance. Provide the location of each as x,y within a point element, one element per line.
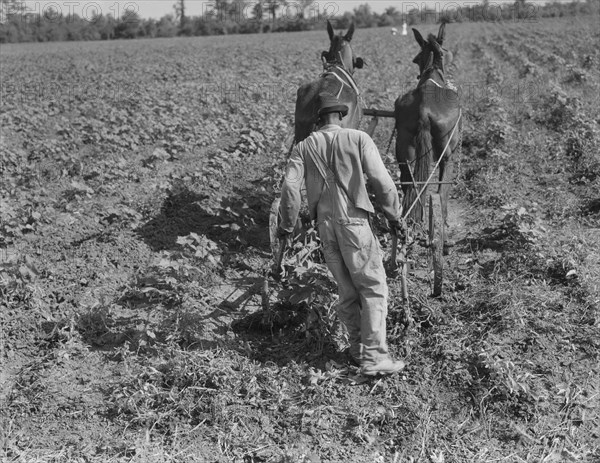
<point>394,250</point>
<point>277,271</point>
<point>282,247</point>
<point>403,276</point>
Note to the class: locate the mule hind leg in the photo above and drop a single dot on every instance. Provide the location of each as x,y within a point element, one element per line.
<point>405,155</point>
<point>446,178</point>
<point>446,166</point>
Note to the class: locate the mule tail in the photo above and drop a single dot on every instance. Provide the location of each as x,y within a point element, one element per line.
<point>422,166</point>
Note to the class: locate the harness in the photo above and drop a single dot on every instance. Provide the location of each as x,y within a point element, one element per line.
<point>330,70</point>
<point>432,67</point>
<point>449,84</point>
<point>349,82</point>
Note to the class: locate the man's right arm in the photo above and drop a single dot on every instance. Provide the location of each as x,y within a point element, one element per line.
<point>291,196</point>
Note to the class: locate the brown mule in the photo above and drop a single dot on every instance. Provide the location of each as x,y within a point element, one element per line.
<point>428,124</point>
<point>339,64</point>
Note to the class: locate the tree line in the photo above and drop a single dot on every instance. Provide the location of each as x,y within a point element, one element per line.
<point>18,23</point>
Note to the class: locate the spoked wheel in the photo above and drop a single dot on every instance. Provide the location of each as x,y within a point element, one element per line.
<point>436,242</point>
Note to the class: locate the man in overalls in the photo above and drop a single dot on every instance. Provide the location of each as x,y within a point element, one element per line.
<point>333,163</point>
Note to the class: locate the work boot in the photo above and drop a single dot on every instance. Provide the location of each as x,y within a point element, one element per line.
<point>387,366</point>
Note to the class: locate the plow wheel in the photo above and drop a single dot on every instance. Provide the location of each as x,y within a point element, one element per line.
<point>436,242</point>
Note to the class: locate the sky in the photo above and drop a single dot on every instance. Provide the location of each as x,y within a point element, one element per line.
<point>158,8</point>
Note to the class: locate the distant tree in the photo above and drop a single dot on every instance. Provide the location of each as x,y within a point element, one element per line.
<point>305,5</point>
<point>344,21</point>
<point>298,15</point>
<point>258,10</point>
<point>128,26</point>
<point>105,25</point>
<point>412,17</point>
<point>185,25</point>
<point>393,13</point>
<point>11,9</point>
<point>150,27</point>
<point>17,24</point>
<point>224,17</point>
<point>14,26</point>
<point>238,20</point>
<point>363,16</point>
<point>520,8</point>
<point>79,29</point>
<point>166,27</point>
<point>50,27</point>
<point>180,12</point>
<point>274,5</point>
<point>390,17</point>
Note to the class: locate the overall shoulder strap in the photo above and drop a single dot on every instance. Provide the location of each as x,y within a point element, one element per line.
<point>318,161</point>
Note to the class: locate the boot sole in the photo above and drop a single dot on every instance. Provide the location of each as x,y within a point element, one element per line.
<point>383,372</point>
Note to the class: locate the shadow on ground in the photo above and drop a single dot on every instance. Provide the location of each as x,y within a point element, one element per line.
<point>238,222</point>
<point>289,332</point>
<point>142,324</point>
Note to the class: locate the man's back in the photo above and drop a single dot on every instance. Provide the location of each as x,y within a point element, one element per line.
<point>350,155</point>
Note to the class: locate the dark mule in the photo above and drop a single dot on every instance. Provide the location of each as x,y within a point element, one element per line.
<point>339,64</point>
<point>429,123</point>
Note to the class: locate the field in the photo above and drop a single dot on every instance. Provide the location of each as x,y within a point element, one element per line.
<point>136,183</point>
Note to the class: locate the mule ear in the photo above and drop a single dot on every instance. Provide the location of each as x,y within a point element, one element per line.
<point>350,33</point>
<point>419,37</point>
<point>330,30</point>
<point>441,34</point>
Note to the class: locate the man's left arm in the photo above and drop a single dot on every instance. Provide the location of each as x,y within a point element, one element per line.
<point>291,196</point>
<point>380,180</point>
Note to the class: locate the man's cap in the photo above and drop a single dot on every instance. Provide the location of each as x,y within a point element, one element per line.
<point>328,103</point>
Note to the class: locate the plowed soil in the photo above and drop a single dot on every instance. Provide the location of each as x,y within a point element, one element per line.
<point>137,178</point>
